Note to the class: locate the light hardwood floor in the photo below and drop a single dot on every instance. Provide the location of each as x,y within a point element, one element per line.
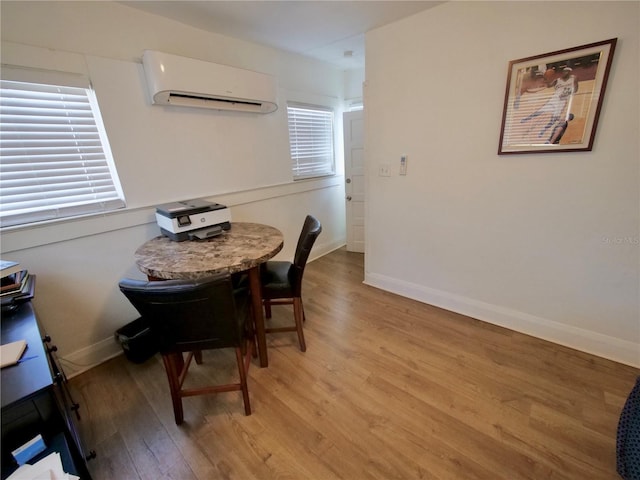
<point>389,388</point>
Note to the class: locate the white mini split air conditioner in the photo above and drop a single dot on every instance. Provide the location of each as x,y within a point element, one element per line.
<point>186,82</point>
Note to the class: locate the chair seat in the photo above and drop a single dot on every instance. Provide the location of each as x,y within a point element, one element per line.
<point>628,436</point>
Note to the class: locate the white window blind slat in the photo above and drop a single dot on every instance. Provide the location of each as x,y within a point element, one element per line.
<point>311,141</point>
<point>19,188</point>
<point>49,157</point>
<point>54,160</point>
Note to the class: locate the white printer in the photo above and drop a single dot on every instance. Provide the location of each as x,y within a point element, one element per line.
<point>194,219</point>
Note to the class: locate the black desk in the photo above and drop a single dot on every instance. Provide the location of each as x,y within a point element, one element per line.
<point>33,400</point>
<point>32,374</point>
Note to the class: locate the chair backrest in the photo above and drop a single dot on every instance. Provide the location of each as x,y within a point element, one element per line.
<point>187,315</point>
<point>310,231</point>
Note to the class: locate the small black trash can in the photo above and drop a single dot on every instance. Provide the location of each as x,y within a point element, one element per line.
<point>137,340</point>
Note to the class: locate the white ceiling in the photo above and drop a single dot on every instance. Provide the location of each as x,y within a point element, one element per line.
<point>322,29</point>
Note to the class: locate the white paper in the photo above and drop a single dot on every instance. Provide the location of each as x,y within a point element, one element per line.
<point>49,468</point>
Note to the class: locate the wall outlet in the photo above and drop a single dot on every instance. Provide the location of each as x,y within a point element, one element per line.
<point>384,170</point>
<point>403,165</point>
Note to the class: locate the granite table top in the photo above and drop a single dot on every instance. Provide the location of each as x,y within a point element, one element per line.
<point>243,246</point>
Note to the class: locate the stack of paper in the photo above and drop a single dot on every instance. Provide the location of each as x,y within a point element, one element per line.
<point>10,353</point>
<point>49,468</point>
<point>16,285</point>
<point>8,267</point>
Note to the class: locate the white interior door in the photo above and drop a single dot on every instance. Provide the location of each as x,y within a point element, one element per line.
<point>353,123</point>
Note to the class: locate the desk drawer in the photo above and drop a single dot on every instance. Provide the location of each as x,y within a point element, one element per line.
<point>24,420</point>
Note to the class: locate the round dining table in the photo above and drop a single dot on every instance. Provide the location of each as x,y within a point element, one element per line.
<point>242,248</point>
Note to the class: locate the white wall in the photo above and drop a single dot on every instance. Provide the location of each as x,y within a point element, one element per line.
<point>162,154</point>
<point>544,244</point>
<point>353,80</point>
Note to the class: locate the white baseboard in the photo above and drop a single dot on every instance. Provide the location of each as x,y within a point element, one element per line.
<point>605,346</point>
<point>612,348</point>
<point>89,357</point>
<point>321,249</point>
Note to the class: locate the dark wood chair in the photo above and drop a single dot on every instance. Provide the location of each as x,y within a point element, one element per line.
<point>188,316</point>
<point>282,280</point>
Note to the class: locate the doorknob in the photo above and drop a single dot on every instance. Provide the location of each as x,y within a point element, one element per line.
<point>348,180</point>
<point>349,197</point>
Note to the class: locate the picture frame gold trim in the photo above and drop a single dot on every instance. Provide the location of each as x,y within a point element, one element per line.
<point>553,101</point>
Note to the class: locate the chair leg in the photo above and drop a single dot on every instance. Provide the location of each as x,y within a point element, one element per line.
<point>251,332</point>
<point>254,346</point>
<point>267,308</point>
<point>298,314</point>
<point>243,379</point>
<point>173,364</point>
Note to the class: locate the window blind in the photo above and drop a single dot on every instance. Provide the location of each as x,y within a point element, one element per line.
<point>311,141</point>
<point>54,158</point>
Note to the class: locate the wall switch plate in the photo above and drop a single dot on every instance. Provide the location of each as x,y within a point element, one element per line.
<point>403,165</point>
<point>384,170</point>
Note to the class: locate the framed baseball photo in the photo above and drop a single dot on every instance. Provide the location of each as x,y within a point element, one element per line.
<point>552,101</point>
